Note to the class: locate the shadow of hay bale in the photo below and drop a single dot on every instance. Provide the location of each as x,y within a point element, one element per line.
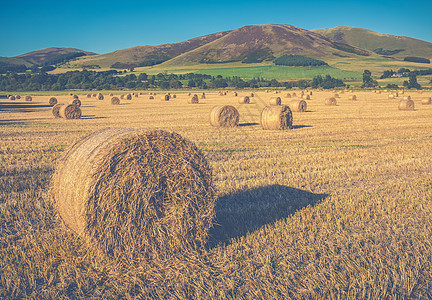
<point>246,211</point>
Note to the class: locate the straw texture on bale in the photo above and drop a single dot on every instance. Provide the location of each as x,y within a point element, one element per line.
<point>28,98</point>
<point>115,101</point>
<point>52,101</point>
<point>128,97</point>
<point>56,110</point>
<point>18,97</point>
<point>224,116</point>
<point>330,101</point>
<point>352,97</point>
<point>131,193</point>
<point>77,102</point>
<point>275,101</point>
<point>277,117</point>
<point>244,100</point>
<point>70,111</point>
<point>406,105</point>
<point>11,98</point>
<point>99,96</point>
<point>298,105</point>
<point>94,95</point>
<point>165,97</point>
<point>407,98</point>
<point>426,100</point>
<point>193,100</point>
<point>88,95</point>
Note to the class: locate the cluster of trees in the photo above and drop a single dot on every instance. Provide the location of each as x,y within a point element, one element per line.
<point>412,82</point>
<point>298,60</point>
<point>62,58</point>
<point>368,81</point>
<point>6,67</point>
<point>112,80</point>
<point>417,59</point>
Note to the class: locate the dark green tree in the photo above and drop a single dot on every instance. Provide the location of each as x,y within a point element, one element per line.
<point>368,80</point>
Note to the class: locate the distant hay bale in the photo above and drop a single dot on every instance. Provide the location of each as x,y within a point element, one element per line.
<point>336,95</point>
<point>28,98</point>
<point>134,194</point>
<point>378,92</point>
<point>203,96</point>
<point>18,97</point>
<point>70,111</point>
<point>115,101</point>
<point>406,104</point>
<point>235,94</point>
<point>122,96</point>
<point>151,98</point>
<point>276,117</point>
<point>342,92</point>
<point>128,97</point>
<point>55,110</point>
<point>351,91</point>
<point>310,93</point>
<point>11,98</point>
<point>88,95</point>
<point>288,95</point>
<point>70,94</point>
<point>298,105</point>
<point>407,98</point>
<point>352,97</point>
<point>396,94</point>
<point>99,96</point>
<point>252,95</point>
<point>244,100</point>
<point>94,95</point>
<point>165,97</point>
<point>174,96</point>
<point>275,101</point>
<point>136,95</point>
<point>330,101</point>
<point>75,97</point>
<point>111,94</point>
<point>426,100</point>
<point>391,96</point>
<point>220,94</point>
<point>306,97</point>
<point>294,94</point>
<point>193,100</point>
<point>141,93</point>
<point>52,101</point>
<point>77,102</point>
<point>224,116</point>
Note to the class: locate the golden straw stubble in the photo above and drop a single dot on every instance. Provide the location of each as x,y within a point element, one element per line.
<point>276,117</point>
<point>160,179</point>
<point>224,116</point>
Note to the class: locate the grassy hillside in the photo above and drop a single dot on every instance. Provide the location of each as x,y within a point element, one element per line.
<point>372,41</point>
<point>40,56</point>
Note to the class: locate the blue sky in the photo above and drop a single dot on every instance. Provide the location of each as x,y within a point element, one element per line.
<point>105,26</point>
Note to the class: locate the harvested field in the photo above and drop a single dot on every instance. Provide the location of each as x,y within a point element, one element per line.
<point>339,206</point>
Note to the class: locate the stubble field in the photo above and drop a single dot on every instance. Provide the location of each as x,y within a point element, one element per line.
<point>338,207</point>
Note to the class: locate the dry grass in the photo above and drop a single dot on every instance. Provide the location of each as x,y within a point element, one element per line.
<point>338,207</point>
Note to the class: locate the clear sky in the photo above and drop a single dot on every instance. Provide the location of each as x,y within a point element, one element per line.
<point>105,26</point>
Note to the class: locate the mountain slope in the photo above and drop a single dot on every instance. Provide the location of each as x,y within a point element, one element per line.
<point>258,43</point>
<point>383,44</point>
<point>39,57</point>
<point>146,55</point>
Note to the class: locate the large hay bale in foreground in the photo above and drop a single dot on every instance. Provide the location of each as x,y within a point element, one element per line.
<point>244,100</point>
<point>55,110</point>
<point>52,101</point>
<point>426,100</point>
<point>77,102</point>
<point>330,101</point>
<point>352,97</point>
<point>70,111</point>
<point>224,116</point>
<point>115,101</point>
<point>276,117</point>
<point>136,194</point>
<point>193,100</point>
<point>406,105</point>
<point>275,101</point>
<point>28,98</point>
<point>298,105</point>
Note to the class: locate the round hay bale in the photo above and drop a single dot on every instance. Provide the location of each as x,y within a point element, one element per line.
<point>70,94</point>
<point>306,97</point>
<point>396,94</point>
<point>391,96</point>
<point>122,96</point>
<point>75,97</point>
<point>151,98</point>
<point>244,100</point>
<point>252,95</point>
<point>298,105</point>
<point>275,101</point>
<point>115,101</point>
<point>28,98</point>
<point>136,194</point>
<point>288,95</point>
<point>136,95</point>
<point>330,101</point>
<point>190,94</point>
<point>12,98</point>
<point>88,95</point>
<point>336,95</point>
<point>378,92</point>
<point>52,101</point>
<point>276,117</point>
<point>203,96</point>
<point>235,94</point>
<point>18,97</point>
<point>224,116</point>
<point>294,94</point>
<point>128,97</point>
<point>55,110</point>
<point>77,102</point>
<point>111,94</point>
<point>165,97</point>
<point>174,96</point>
<point>99,96</point>
<point>342,92</point>
<point>94,95</point>
<point>193,100</point>
<point>407,98</point>
<point>406,105</point>
<point>426,100</point>
<point>70,111</point>
<point>352,97</point>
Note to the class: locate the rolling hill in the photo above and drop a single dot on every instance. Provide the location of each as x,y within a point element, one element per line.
<point>382,44</point>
